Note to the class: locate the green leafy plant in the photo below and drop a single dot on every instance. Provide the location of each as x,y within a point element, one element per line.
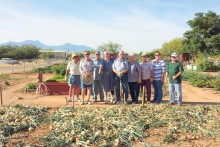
<point>30,86</point>
<point>59,69</point>
<point>206,65</point>
<point>47,69</point>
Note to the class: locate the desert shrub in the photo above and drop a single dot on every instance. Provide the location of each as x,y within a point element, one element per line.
<point>207,65</point>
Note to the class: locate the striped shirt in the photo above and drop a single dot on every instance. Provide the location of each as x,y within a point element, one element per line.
<point>158,68</point>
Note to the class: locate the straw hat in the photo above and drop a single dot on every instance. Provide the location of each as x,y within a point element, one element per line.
<point>88,79</point>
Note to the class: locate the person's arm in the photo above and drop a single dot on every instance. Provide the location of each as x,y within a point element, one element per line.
<point>167,73</point>
<point>163,71</point>
<point>114,70</point>
<point>67,71</point>
<point>80,68</point>
<point>181,70</point>
<point>151,73</point>
<point>139,74</point>
<point>126,68</point>
<point>101,67</point>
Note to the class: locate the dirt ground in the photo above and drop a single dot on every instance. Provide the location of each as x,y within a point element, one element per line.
<point>12,95</point>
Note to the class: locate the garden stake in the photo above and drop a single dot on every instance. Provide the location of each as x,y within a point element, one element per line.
<point>1,96</point>
<point>143,96</point>
<point>73,97</point>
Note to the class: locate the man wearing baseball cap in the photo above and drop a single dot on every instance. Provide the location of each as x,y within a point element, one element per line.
<point>174,71</point>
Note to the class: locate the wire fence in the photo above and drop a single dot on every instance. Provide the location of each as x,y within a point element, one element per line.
<point>28,64</point>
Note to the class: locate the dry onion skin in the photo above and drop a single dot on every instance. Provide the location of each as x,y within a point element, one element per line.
<point>126,127</point>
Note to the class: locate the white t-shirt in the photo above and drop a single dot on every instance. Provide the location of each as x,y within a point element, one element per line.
<point>73,68</point>
<point>146,69</point>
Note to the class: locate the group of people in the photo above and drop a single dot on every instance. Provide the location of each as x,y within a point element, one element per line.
<point>106,76</point>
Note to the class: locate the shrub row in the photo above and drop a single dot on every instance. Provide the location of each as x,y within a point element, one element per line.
<point>202,80</point>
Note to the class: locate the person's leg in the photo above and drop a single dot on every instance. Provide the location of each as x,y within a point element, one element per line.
<point>83,95</point>
<point>95,88</point>
<point>160,91</point>
<point>155,91</point>
<point>117,88</point>
<point>171,93</point>
<point>77,91</point>
<point>70,92</point>
<point>132,90</point>
<point>89,91</point>
<point>137,91</point>
<point>178,89</point>
<point>148,87</point>
<point>124,83</point>
<point>101,90</point>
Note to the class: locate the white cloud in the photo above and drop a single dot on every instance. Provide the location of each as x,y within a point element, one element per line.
<point>138,31</point>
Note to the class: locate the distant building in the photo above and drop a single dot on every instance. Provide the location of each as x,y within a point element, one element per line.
<point>57,54</point>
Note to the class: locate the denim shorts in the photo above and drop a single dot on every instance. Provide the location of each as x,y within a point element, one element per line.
<point>74,80</point>
<point>85,86</point>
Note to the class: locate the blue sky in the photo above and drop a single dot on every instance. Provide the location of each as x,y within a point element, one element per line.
<point>138,25</point>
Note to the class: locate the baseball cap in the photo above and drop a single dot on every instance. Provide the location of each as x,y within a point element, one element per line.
<point>97,52</point>
<point>173,55</point>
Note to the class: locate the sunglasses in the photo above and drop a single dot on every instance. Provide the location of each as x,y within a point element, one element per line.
<point>87,54</point>
<point>97,54</point>
<point>157,55</point>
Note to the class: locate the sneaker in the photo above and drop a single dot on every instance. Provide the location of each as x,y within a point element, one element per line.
<point>179,104</point>
<point>106,101</point>
<point>172,104</point>
<point>82,102</point>
<point>94,100</point>
<point>118,102</point>
<point>88,102</point>
<point>112,100</point>
<point>101,100</point>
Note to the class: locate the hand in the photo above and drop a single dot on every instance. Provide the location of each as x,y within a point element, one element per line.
<point>162,78</point>
<point>151,79</point>
<point>139,80</point>
<point>174,77</point>
<point>66,78</point>
<point>165,80</point>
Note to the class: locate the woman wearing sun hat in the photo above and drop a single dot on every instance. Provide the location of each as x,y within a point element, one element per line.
<point>86,68</point>
<point>73,76</point>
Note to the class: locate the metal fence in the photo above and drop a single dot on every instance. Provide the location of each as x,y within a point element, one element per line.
<point>28,64</point>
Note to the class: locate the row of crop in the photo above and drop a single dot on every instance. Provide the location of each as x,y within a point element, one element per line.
<point>202,80</point>
<point>113,126</point>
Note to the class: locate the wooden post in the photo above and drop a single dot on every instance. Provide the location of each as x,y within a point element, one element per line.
<point>143,96</point>
<point>1,96</point>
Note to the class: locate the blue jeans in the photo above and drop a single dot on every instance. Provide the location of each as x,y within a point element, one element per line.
<point>124,83</point>
<point>178,88</point>
<point>134,89</point>
<point>97,88</point>
<point>158,93</point>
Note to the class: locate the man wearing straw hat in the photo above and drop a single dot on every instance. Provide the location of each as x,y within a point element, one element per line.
<point>73,76</point>
<point>86,69</point>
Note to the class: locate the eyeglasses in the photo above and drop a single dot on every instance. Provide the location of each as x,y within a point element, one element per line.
<point>87,54</point>
<point>97,54</point>
<point>157,55</point>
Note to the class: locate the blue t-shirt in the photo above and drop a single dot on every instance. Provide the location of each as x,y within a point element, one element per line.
<point>97,65</point>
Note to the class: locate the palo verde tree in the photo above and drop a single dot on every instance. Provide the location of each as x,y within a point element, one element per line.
<point>204,35</point>
<point>110,46</point>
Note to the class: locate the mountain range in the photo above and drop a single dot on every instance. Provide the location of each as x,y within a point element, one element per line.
<point>64,47</point>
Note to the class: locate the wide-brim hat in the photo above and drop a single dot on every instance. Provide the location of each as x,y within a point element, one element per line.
<point>74,55</point>
<point>87,80</point>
